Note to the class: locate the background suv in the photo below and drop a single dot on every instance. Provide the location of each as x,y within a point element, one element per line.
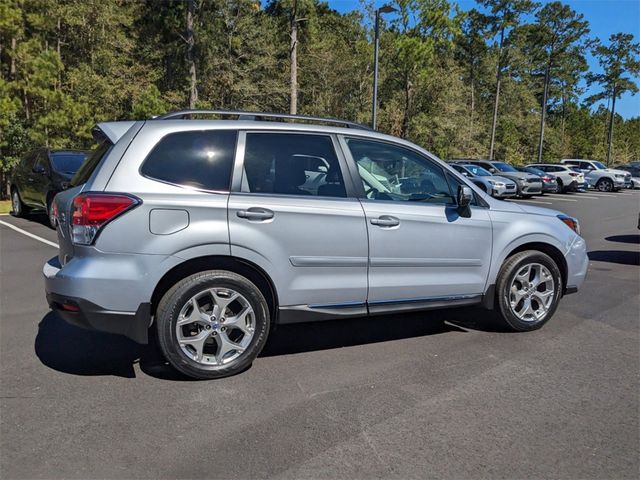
<point>549,181</point>
<point>526,183</point>
<point>214,231</point>
<point>597,175</point>
<point>39,176</point>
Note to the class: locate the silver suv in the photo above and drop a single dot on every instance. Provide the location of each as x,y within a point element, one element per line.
<point>214,231</point>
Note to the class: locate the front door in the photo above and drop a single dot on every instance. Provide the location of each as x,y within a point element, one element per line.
<point>293,215</point>
<point>421,249</point>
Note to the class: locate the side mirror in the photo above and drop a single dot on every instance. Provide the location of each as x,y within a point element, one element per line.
<point>492,170</point>
<point>39,169</point>
<point>465,196</point>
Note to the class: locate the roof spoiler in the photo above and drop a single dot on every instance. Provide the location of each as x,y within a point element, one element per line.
<point>111,131</point>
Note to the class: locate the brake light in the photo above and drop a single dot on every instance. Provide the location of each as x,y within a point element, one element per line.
<point>546,179</point>
<point>574,174</point>
<point>92,211</point>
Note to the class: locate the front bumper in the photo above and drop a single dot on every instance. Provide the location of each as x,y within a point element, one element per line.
<point>503,192</point>
<point>577,264</point>
<point>530,188</point>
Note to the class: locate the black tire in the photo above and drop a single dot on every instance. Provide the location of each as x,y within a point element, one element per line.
<point>605,185</point>
<point>560,185</point>
<point>18,208</point>
<point>507,274</point>
<point>169,309</point>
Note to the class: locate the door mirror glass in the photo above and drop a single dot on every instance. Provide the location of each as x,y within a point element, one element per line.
<point>465,196</point>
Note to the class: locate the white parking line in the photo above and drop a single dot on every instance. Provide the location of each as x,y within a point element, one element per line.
<point>563,199</point>
<point>28,234</point>
<point>529,201</point>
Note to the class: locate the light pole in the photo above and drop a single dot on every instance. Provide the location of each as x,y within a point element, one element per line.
<point>382,9</point>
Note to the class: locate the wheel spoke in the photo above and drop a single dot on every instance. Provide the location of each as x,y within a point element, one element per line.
<point>195,316</point>
<point>225,345</point>
<point>516,295</point>
<point>222,302</point>
<point>197,342</point>
<point>239,320</point>
<point>523,274</point>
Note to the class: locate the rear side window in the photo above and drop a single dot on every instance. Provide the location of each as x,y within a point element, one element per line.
<point>292,164</point>
<point>199,159</point>
<point>93,160</point>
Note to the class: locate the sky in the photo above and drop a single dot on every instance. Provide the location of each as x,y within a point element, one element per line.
<point>605,17</point>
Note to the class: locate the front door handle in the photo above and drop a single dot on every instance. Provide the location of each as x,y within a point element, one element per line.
<point>385,221</point>
<point>255,213</point>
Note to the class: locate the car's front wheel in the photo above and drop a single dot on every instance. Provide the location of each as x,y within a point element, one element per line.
<point>604,185</point>
<point>528,290</point>
<point>17,207</point>
<point>212,324</point>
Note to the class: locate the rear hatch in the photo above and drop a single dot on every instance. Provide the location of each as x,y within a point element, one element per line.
<point>106,135</point>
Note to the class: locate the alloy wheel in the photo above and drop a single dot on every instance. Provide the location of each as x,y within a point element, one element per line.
<point>605,185</point>
<point>15,203</point>
<point>215,326</point>
<point>531,292</point>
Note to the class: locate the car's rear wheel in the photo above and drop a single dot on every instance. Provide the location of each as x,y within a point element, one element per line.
<point>212,324</point>
<point>528,290</point>
<point>18,208</point>
<point>51,214</point>
<point>604,185</point>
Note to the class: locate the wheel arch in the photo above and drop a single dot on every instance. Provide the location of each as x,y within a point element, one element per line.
<point>218,262</point>
<point>552,251</point>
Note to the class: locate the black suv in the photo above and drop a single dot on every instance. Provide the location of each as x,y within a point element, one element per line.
<point>39,176</point>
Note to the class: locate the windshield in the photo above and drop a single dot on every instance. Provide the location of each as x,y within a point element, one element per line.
<point>504,167</point>
<point>599,166</point>
<point>67,162</point>
<point>478,171</point>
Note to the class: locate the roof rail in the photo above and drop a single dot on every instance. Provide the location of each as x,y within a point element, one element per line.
<point>184,114</point>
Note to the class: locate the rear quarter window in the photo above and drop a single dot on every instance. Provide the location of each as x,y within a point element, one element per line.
<point>196,159</point>
<point>93,160</point>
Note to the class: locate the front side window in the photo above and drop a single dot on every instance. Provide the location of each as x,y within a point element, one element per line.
<point>200,159</point>
<point>292,164</point>
<point>391,172</point>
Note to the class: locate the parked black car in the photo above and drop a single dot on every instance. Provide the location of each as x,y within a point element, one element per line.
<point>549,181</point>
<point>39,176</point>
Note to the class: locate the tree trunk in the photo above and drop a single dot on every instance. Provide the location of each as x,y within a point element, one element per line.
<point>404,131</point>
<point>543,114</point>
<point>12,68</point>
<point>610,134</point>
<point>496,100</point>
<point>193,87</point>
<point>293,52</point>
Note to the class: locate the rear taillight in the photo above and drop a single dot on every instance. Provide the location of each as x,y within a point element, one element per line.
<point>574,174</point>
<point>92,211</point>
<point>546,179</point>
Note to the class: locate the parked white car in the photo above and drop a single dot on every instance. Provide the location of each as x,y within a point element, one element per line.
<point>599,176</point>
<point>568,179</point>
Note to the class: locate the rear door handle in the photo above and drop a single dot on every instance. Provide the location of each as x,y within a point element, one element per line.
<point>255,213</point>
<point>385,221</point>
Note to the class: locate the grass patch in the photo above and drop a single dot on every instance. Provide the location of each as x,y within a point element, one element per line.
<point>5,206</point>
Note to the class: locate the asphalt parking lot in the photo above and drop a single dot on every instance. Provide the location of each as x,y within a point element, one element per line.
<point>442,394</point>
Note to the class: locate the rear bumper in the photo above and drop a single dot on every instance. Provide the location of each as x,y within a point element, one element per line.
<point>85,314</point>
<point>105,292</point>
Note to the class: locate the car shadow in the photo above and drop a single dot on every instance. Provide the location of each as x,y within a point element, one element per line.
<point>73,350</point>
<point>634,239</point>
<point>38,217</point>
<point>622,257</point>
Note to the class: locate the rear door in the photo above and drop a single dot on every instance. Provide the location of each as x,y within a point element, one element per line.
<point>37,179</point>
<point>422,251</point>
<point>297,219</point>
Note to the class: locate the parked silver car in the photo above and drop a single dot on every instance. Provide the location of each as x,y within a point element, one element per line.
<point>497,187</point>
<point>527,183</point>
<point>211,230</point>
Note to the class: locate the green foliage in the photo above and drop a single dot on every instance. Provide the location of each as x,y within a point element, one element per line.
<point>67,64</point>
